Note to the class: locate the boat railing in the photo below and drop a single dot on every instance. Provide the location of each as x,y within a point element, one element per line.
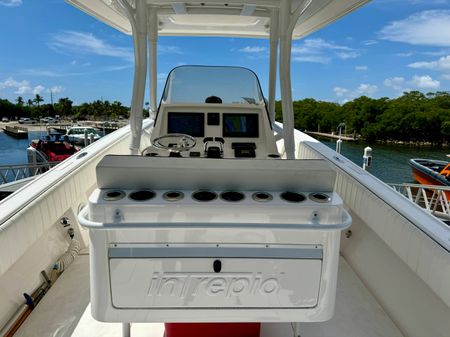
<point>432,198</point>
<point>15,172</point>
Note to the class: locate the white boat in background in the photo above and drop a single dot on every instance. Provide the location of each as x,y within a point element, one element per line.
<point>209,211</point>
<point>81,135</point>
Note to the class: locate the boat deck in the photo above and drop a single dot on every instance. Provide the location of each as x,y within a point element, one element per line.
<point>65,311</point>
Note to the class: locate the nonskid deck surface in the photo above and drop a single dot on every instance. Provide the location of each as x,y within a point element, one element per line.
<point>65,312</point>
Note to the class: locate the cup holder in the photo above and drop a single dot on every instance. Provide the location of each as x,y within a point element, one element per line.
<point>319,197</point>
<point>173,196</point>
<point>292,197</point>
<point>232,196</point>
<point>142,195</point>
<point>204,196</point>
<point>113,195</point>
<point>262,196</point>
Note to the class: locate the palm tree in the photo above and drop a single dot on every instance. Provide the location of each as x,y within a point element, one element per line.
<point>38,99</point>
<point>30,103</point>
<point>19,100</point>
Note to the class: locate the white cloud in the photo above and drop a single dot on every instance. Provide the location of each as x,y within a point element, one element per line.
<point>162,49</point>
<point>25,88</point>
<point>340,92</point>
<point>430,28</point>
<point>361,68</point>
<point>425,82</point>
<point>312,59</point>
<point>369,42</point>
<point>405,54</point>
<point>366,89</point>
<point>87,44</point>
<point>345,55</point>
<point>401,85</point>
<point>10,3</point>
<point>39,89</point>
<point>56,89</point>
<point>396,83</point>
<point>322,51</point>
<point>12,83</point>
<point>362,90</point>
<point>253,49</point>
<point>443,64</point>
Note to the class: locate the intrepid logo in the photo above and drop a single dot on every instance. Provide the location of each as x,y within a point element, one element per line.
<point>183,285</point>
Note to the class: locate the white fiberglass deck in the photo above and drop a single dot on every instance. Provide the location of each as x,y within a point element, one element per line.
<point>65,312</point>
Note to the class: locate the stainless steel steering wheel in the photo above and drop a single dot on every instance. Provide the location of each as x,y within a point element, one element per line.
<point>180,142</point>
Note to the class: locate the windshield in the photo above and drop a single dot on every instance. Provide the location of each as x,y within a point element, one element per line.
<point>201,84</point>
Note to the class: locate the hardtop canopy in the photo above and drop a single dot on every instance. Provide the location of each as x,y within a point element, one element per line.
<point>241,18</point>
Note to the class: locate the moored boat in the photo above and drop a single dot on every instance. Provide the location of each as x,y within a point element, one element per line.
<point>51,148</point>
<point>430,171</point>
<point>18,132</point>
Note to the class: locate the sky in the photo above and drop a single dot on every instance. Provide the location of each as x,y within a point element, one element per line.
<point>381,50</point>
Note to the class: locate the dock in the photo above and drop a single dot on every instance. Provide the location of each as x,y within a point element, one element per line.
<point>332,136</point>
<point>18,132</point>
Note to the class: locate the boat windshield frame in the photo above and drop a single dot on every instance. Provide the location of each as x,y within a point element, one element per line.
<point>171,87</point>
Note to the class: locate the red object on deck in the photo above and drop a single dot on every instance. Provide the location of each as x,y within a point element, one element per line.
<point>212,329</point>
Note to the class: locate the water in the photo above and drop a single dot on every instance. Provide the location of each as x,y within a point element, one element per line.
<point>14,151</point>
<point>390,162</point>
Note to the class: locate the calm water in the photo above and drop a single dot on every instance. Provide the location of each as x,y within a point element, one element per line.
<point>390,162</point>
<point>14,151</point>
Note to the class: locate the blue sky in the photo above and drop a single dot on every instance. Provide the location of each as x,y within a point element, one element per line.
<point>383,49</point>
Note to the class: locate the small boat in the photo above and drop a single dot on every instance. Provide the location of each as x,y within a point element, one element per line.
<point>51,148</point>
<point>431,171</point>
<point>78,134</point>
<point>18,132</point>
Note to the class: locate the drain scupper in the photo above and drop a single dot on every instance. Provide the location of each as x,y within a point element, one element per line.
<point>142,195</point>
<point>204,196</point>
<point>292,196</point>
<point>232,196</point>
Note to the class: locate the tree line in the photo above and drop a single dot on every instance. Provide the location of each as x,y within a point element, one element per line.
<point>36,108</point>
<point>413,117</point>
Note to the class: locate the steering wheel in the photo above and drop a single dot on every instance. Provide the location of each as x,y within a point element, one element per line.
<point>175,142</point>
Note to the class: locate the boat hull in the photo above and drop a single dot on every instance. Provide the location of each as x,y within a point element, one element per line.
<point>426,172</point>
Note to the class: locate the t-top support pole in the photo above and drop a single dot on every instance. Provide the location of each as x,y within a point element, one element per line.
<point>138,20</point>
<point>153,50</point>
<point>287,24</point>
<point>274,35</point>
<point>285,80</point>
